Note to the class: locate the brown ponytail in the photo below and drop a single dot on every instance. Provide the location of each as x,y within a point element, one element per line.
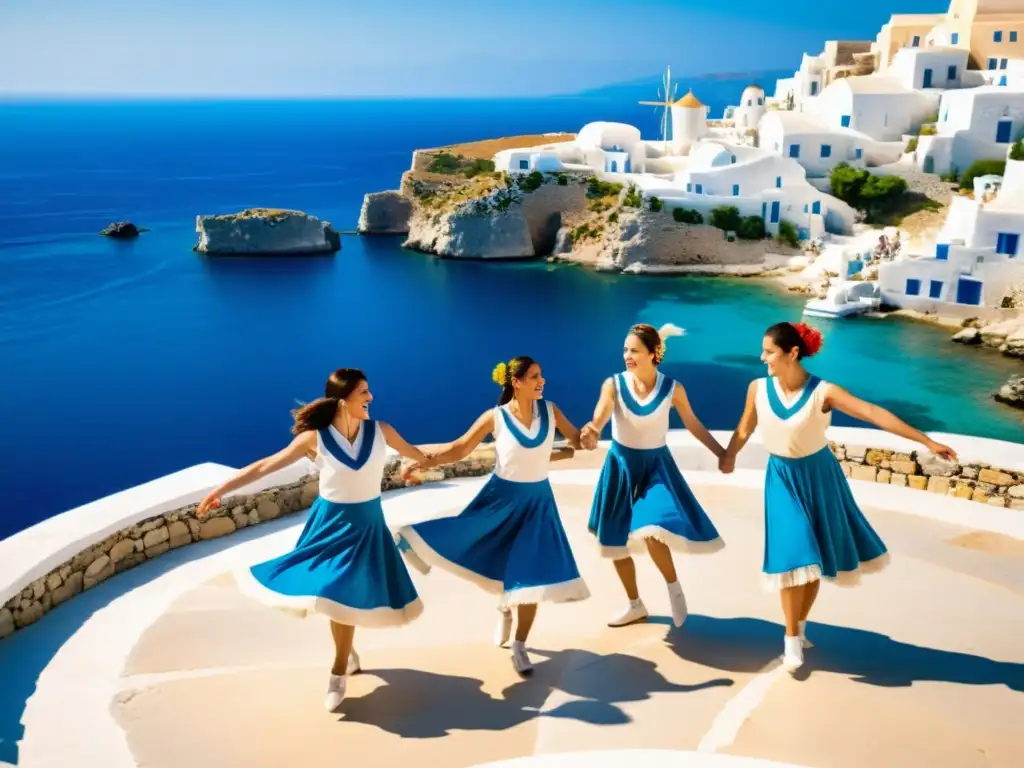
<point>321,412</point>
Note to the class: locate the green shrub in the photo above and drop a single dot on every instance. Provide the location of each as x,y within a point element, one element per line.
<point>952,175</point>
<point>687,216</point>
<point>865,191</point>
<point>563,180</point>
<point>478,166</point>
<point>613,217</point>
<point>726,217</point>
<point>445,162</point>
<point>656,204</point>
<point>982,168</point>
<point>911,145</point>
<point>532,181</point>
<point>846,183</point>
<point>788,233</point>
<point>928,130</point>
<point>1017,150</point>
<point>751,228</point>
<point>598,188</point>
<point>633,199</point>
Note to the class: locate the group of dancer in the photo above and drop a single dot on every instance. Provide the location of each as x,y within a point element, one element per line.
<point>510,540</point>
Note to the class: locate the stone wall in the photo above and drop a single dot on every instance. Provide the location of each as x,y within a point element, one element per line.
<point>151,538</point>
<point>978,482</point>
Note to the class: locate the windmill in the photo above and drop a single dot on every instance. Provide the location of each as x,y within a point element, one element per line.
<point>667,96</point>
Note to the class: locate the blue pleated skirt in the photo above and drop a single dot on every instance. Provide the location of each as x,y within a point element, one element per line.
<point>813,526</point>
<point>509,541</point>
<point>641,494</point>
<point>345,566</point>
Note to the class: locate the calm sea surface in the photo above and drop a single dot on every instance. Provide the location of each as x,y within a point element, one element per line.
<point>125,361</point>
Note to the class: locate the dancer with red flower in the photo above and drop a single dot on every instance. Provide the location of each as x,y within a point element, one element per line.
<point>813,526</point>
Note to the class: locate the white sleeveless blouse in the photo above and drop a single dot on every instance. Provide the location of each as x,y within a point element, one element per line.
<point>523,455</point>
<point>792,428</point>
<point>351,472</point>
<point>637,422</point>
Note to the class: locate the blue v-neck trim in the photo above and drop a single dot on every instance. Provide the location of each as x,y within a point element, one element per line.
<point>517,432</point>
<point>634,405</point>
<point>778,408</point>
<point>369,428</point>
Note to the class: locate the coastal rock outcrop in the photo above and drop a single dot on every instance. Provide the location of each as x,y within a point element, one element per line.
<point>1012,392</point>
<point>265,231</point>
<point>385,213</point>
<point>1005,334</point>
<point>121,230</point>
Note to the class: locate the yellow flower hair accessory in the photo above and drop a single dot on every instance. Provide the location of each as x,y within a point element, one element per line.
<point>500,374</point>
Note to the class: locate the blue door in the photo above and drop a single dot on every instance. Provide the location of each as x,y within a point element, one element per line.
<point>927,79</point>
<point>929,164</point>
<point>935,289</point>
<point>764,211</point>
<point>844,121</point>
<point>1002,80</point>
<point>951,72</point>
<point>968,291</point>
<point>1007,243</point>
<point>615,166</point>
<point>942,251</point>
<point>1003,130</point>
<point>816,206</point>
<point>775,211</point>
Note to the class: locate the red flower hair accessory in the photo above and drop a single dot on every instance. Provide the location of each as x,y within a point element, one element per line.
<point>810,336</point>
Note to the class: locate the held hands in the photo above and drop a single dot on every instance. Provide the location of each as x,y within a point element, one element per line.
<point>726,463</point>
<point>589,436</point>
<point>410,473</point>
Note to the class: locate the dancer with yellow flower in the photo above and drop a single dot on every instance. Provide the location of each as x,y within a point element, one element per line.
<point>510,539</point>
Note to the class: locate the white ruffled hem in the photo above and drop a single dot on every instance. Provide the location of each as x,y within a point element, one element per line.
<point>432,558</point>
<point>810,573</point>
<point>304,606</point>
<point>566,592</point>
<point>637,543</point>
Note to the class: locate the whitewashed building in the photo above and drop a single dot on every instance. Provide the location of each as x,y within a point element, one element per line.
<point>810,141</point>
<point>750,110</point>
<point>929,68</point>
<point>879,106</point>
<point>974,124</point>
<point>978,256</point>
<point>689,123</point>
<point>528,160</point>
<point>612,147</point>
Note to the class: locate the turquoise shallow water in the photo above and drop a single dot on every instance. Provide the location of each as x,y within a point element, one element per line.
<point>125,361</point>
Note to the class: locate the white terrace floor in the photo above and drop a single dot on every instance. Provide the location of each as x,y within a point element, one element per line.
<point>169,665</point>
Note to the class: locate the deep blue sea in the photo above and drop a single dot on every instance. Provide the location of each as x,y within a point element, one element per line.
<point>122,362</point>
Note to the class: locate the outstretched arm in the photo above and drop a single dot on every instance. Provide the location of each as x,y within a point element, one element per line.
<point>396,441</point>
<point>303,445</point>
<point>591,431</point>
<point>696,427</point>
<point>566,427</point>
<point>464,446</point>
<point>838,398</point>
<point>746,427</point>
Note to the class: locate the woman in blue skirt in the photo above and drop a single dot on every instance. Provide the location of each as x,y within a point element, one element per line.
<point>813,526</point>
<point>641,497</point>
<point>510,539</point>
<point>345,565</point>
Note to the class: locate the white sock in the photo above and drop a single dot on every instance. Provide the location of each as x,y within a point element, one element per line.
<point>793,646</point>
<point>674,585</point>
<point>518,645</point>
<point>635,603</point>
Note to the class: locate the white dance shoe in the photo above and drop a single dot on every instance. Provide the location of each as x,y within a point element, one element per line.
<point>335,692</point>
<point>503,631</point>
<point>793,654</point>
<point>677,600</point>
<point>803,636</point>
<point>520,659</point>
<point>634,612</point>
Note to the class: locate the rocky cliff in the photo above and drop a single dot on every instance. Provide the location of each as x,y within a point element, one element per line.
<point>385,213</point>
<point>265,231</point>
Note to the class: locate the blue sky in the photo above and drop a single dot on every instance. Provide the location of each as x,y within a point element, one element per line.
<point>406,47</point>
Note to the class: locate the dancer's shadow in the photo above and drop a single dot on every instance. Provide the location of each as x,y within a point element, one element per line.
<point>424,705</point>
<point>748,645</point>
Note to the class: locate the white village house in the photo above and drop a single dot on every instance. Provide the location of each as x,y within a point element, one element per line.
<point>974,124</point>
<point>979,253</point>
<point>879,106</point>
<point>810,141</point>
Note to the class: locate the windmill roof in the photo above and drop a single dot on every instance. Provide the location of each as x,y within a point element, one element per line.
<point>689,100</point>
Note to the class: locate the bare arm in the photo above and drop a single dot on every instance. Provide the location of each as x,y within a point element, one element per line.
<point>567,428</point>
<point>746,427</point>
<point>464,446</point>
<point>396,441</point>
<point>302,446</point>
<point>682,405</point>
<point>602,413</point>
<point>838,398</point>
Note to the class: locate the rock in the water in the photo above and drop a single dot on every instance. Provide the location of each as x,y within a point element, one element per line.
<point>967,336</point>
<point>1014,346</point>
<point>1012,392</point>
<point>121,230</point>
<point>266,231</point>
<point>385,213</point>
